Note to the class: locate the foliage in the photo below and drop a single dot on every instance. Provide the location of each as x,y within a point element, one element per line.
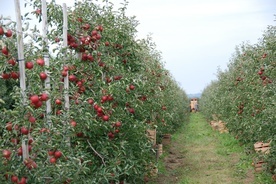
<point>244,95</point>
<point>118,88</point>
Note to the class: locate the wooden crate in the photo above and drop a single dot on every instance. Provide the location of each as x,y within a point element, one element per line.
<point>152,136</point>
<point>262,147</point>
<point>166,139</point>
<point>259,166</point>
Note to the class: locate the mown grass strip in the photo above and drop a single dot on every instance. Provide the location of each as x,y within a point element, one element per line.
<point>209,157</point>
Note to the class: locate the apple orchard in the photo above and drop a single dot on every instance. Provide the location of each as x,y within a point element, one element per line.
<point>80,95</point>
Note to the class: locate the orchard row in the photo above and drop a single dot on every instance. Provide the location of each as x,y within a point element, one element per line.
<point>118,88</point>
<point>244,95</point>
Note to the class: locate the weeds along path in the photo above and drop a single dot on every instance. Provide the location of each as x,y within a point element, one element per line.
<point>201,155</point>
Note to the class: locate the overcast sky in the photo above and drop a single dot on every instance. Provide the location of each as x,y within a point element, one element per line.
<point>195,36</point>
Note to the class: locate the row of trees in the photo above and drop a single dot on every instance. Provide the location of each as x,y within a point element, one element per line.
<point>117,89</point>
<point>244,95</point>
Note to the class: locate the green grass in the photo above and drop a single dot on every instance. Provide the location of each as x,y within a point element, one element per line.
<point>209,157</point>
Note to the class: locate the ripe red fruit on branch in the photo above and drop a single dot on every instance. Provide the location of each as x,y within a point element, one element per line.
<point>86,26</point>
<point>106,44</point>
<point>44,97</point>
<point>8,33</point>
<point>34,99</point>
<point>57,154</point>
<point>43,76</point>
<point>38,11</point>
<point>40,62</point>
<point>9,126</point>
<point>105,117</point>
<point>6,153</point>
<point>73,123</point>
<point>53,160</point>
<point>58,102</point>
<point>32,119</point>
<point>6,75</point>
<point>131,110</point>
<point>72,78</point>
<point>57,40</point>
<point>14,75</point>
<point>5,51</point>
<point>99,28</point>
<point>14,179</point>
<point>64,73</point>
<point>90,101</point>
<point>29,65</point>
<point>24,131</point>
<point>1,30</point>
<point>12,62</point>
<point>110,135</point>
<point>30,164</point>
<point>118,124</point>
<point>131,87</point>
<point>23,180</point>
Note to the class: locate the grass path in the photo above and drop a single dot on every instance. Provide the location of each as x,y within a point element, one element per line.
<point>200,155</point>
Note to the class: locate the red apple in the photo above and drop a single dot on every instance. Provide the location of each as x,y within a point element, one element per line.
<point>57,154</point>
<point>86,26</point>
<point>94,33</point>
<point>44,97</point>
<point>105,117</point>
<point>30,164</point>
<point>53,160</point>
<point>90,101</point>
<point>73,123</point>
<point>14,75</point>
<point>12,62</point>
<point>24,131</point>
<point>38,11</point>
<point>6,153</point>
<point>29,65</point>
<point>23,180</point>
<point>8,33</point>
<point>110,135</point>
<point>118,124</point>
<point>64,73</point>
<point>131,87</point>
<point>9,126</point>
<point>6,75</point>
<point>57,40</point>
<point>32,119</point>
<point>1,30</point>
<point>5,51</point>
<point>72,78</point>
<point>43,76</point>
<point>34,99</point>
<point>14,179</point>
<point>40,62</point>
<point>58,102</point>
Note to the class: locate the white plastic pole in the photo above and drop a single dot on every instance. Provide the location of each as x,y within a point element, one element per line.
<point>46,58</point>
<point>20,50</point>
<point>66,80</point>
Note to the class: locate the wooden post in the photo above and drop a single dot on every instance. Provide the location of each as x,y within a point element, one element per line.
<point>46,58</point>
<point>20,50</point>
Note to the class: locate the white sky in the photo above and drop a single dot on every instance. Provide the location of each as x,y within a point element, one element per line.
<point>195,36</point>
